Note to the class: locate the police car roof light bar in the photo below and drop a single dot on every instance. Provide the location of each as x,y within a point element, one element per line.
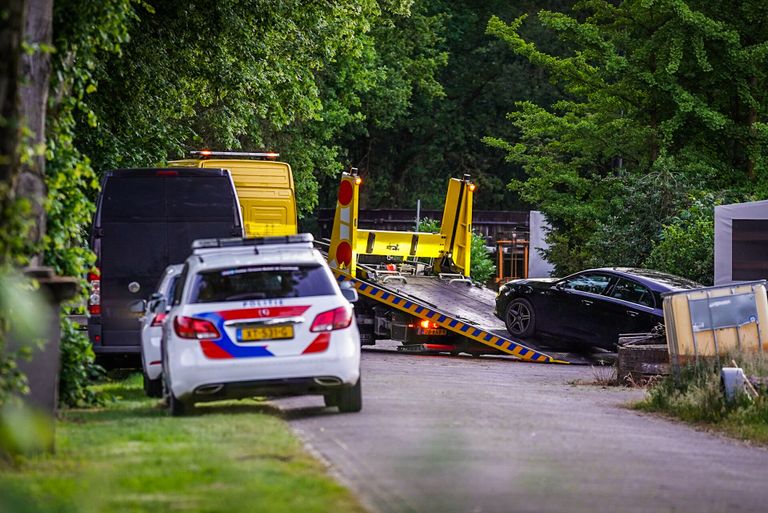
<point>236,242</point>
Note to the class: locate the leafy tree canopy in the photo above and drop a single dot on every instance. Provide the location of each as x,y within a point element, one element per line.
<point>664,98</point>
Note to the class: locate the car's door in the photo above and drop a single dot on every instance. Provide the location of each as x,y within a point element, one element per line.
<point>574,303</point>
<point>628,307</point>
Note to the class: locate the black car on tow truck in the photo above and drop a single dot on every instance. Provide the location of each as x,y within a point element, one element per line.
<point>591,307</point>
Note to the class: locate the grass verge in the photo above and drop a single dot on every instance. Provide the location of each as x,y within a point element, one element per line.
<point>131,457</point>
<point>695,395</point>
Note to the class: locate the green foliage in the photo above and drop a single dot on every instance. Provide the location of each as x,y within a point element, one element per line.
<point>23,431</point>
<point>664,98</point>
<point>482,268</point>
<point>695,394</point>
<point>217,461</point>
<point>78,369</point>
<point>21,331</point>
<point>450,84</point>
<point>85,33</point>
<point>228,74</point>
<point>686,244</point>
<point>428,225</point>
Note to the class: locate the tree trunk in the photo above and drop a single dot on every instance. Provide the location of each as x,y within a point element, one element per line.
<point>11,27</point>
<point>36,71</point>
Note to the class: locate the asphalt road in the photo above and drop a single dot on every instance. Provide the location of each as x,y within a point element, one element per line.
<point>459,434</point>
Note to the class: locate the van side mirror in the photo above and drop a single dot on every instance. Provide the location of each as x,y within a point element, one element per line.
<point>137,306</point>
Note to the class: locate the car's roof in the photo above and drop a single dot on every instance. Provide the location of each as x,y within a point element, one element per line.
<point>655,280</point>
<point>237,257</point>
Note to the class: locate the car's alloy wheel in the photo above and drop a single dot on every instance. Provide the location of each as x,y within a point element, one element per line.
<point>520,319</point>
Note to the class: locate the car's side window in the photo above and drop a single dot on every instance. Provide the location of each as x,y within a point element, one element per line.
<point>633,292</point>
<point>179,285</point>
<point>587,282</point>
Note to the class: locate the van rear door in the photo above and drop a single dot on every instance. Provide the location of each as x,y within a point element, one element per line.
<point>147,221</point>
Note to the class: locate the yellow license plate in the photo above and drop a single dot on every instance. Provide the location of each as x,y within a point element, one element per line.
<point>433,331</point>
<point>264,333</point>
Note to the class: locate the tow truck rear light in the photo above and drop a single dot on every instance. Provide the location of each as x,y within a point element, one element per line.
<point>424,324</point>
<point>167,172</point>
<point>94,299</point>
<point>336,319</point>
<point>158,319</point>
<point>197,329</point>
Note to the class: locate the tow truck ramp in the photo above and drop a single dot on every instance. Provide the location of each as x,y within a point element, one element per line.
<point>414,284</point>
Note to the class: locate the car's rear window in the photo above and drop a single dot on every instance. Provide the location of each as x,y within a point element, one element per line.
<point>261,282</point>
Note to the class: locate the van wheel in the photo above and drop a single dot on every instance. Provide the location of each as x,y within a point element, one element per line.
<point>153,387</point>
<point>350,399</point>
<point>178,407</point>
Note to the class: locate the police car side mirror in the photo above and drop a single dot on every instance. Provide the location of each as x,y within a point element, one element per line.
<point>350,295</point>
<point>348,291</point>
<point>137,306</point>
<point>161,305</point>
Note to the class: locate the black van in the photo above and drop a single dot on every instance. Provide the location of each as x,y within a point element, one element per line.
<point>146,219</point>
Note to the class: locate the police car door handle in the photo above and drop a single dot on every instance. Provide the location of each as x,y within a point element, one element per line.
<point>632,313</point>
<point>586,302</point>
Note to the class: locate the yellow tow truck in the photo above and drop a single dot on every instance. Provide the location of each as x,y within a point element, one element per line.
<point>415,286</point>
<point>264,187</point>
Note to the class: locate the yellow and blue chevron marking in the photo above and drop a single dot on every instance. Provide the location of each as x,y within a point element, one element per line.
<point>467,330</point>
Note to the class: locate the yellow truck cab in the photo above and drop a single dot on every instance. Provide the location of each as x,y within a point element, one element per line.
<point>264,187</point>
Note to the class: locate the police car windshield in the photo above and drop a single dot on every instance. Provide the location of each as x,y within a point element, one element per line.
<point>261,282</point>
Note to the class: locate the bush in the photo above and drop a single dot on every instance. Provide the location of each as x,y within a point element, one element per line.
<point>695,394</point>
<point>686,245</point>
<point>481,267</point>
<point>78,367</point>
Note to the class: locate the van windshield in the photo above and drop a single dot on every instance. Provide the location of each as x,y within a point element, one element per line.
<point>261,282</point>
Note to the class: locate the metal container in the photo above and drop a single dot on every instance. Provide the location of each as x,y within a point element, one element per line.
<point>716,321</point>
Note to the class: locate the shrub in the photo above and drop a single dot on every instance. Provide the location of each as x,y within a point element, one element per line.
<point>481,267</point>
<point>686,245</point>
<point>695,394</point>
<point>78,367</point>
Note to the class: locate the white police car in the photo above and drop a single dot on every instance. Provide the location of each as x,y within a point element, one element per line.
<point>152,330</point>
<point>260,316</point>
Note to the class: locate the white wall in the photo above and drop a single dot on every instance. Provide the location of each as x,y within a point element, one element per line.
<point>538,267</point>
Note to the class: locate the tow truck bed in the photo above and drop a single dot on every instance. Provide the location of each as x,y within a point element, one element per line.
<point>471,304</point>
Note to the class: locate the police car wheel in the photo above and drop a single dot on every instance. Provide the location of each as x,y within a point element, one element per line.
<point>351,398</point>
<point>331,399</point>
<point>177,407</point>
<point>153,387</point>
